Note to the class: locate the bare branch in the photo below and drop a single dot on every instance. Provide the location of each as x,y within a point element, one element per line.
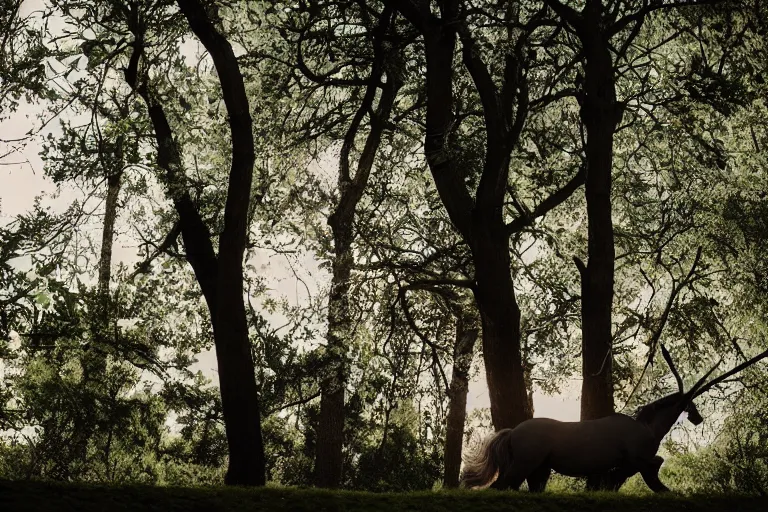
<point>415,14</point>
<point>401,294</point>
<point>429,284</point>
<point>300,401</point>
<point>656,336</point>
<point>168,241</point>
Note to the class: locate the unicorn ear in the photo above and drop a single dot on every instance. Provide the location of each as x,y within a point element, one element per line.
<point>668,359</point>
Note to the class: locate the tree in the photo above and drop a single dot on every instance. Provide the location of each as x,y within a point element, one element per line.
<point>384,76</point>
<point>480,218</point>
<point>219,274</point>
<point>435,210</point>
<point>606,35</point>
<point>466,336</point>
<point>22,75</point>
<point>92,154</point>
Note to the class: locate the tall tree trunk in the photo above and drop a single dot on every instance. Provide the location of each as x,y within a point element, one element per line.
<point>108,231</point>
<point>239,393</point>
<point>500,316</point>
<point>479,219</point>
<point>600,114</point>
<point>466,336</point>
<point>330,432</point>
<point>220,278</point>
<point>482,227</point>
<point>93,362</point>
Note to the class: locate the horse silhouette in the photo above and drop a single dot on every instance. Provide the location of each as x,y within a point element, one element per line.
<point>606,451</point>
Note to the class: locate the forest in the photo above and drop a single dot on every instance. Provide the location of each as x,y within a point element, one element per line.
<point>339,243</point>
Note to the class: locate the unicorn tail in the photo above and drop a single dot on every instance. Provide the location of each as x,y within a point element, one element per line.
<point>481,467</point>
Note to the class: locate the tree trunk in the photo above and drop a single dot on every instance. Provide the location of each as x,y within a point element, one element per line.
<point>237,381</point>
<point>330,433</point>
<point>600,114</point>
<point>239,393</point>
<point>466,336</point>
<point>478,219</point>
<point>93,362</point>
<point>108,231</point>
<point>500,316</point>
<point>482,227</point>
<point>220,278</point>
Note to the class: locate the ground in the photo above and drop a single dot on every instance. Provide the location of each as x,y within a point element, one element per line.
<point>43,497</point>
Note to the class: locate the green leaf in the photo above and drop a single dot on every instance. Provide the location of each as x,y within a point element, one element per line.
<point>43,299</point>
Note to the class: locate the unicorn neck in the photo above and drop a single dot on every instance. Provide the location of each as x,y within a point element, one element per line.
<point>661,415</point>
<point>664,420</point>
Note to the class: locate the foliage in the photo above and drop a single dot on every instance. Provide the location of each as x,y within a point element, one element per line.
<point>738,459</point>
<point>22,58</point>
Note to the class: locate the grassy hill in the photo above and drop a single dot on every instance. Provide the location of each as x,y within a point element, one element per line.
<point>43,497</point>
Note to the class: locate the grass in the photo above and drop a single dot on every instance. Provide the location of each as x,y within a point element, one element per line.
<point>48,496</point>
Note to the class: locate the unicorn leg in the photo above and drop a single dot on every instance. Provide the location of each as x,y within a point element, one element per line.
<point>615,478</point>
<point>610,481</point>
<point>650,474</point>
<point>537,481</point>
<point>525,464</point>
<point>597,482</point>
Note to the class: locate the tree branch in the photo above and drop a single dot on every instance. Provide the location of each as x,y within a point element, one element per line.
<point>198,248</point>
<point>401,295</point>
<point>168,241</point>
<point>486,88</point>
<point>366,105</point>
<point>568,14</point>
<point>233,236</point>
<point>656,336</point>
<point>638,16</point>
<point>426,283</point>
<point>418,16</point>
<point>300,401</point>
<point>325,79</point>
<point>554,200</point>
